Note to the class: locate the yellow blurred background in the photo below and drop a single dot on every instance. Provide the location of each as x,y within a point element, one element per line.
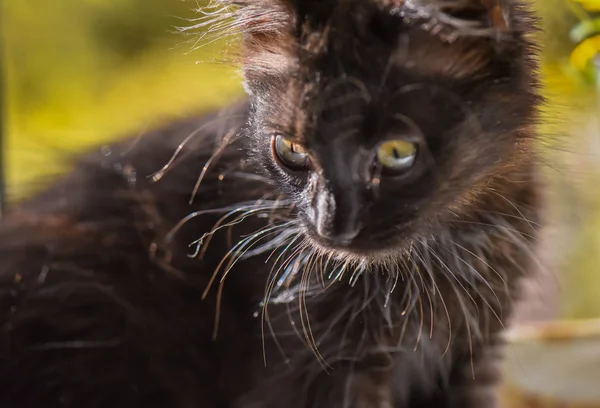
<point>79,73</point>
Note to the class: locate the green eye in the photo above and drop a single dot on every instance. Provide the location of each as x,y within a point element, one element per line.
<point>397,156</point>
<point>290,154</point>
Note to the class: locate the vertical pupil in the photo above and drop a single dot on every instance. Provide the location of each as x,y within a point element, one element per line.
<point>395,153</point>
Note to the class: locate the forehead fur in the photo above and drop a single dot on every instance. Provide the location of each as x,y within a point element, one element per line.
<point>469,17</point>
<point>274,30</point>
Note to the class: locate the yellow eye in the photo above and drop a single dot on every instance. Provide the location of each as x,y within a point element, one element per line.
<point>397,156</point>
<point>289,153</point>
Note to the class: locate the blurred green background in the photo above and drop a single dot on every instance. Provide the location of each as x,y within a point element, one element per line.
<point>82,72</point>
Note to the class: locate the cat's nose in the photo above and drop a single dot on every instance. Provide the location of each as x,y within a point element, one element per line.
<point>337,217</point>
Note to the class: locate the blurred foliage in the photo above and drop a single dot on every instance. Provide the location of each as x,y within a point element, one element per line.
<point>82,72</point>
<point>573,124</point>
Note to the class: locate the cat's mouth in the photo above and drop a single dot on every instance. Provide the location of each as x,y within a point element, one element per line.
<point>361,246</point>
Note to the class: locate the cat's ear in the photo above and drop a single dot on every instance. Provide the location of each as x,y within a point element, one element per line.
<point>497,13</point>
<point>266,28</point>
<point>465,15</point>
<point>490,13</point>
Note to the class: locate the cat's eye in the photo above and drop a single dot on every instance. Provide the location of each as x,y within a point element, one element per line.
<point>396,156</point>
<point>290,154</point>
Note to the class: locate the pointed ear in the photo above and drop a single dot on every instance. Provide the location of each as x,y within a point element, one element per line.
<point>466,17</point>
<point>265,28</point>
<point>489,13</point>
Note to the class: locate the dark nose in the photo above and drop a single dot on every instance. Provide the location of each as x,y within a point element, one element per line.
<point>338,216</point>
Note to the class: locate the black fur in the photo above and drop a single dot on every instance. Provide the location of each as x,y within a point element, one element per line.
<point>204,284</point>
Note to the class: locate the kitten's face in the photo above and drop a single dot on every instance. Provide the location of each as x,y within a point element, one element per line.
<point>381,125</point>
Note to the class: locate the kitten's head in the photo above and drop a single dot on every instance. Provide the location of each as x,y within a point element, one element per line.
<point>382,119</point>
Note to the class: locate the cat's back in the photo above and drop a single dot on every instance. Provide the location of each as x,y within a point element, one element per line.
<point>99,302</point>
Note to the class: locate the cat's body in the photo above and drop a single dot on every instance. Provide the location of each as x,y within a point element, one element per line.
<point>115,293</point>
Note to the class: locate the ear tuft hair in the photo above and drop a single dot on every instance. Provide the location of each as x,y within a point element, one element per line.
<point>224,18</point>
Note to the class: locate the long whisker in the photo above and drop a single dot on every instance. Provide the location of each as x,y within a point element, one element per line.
<point>504,214</point>
<point>502,196</point>
<point>272,279</point>
<point>496,226</point>
<point>441,297</point>
<point>305,319</point>
<point>484,262</point>
<point>233,208</point>
<point>204,241</point>
<point>216,155</point>
<point>161,173</point>
<point>239,245</point>
<point>452,250</point>
<point>248,243</point>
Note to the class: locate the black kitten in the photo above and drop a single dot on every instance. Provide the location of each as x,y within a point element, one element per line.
<point>366,253</point>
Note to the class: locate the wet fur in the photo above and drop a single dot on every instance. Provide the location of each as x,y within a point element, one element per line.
<point>177,270</point>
